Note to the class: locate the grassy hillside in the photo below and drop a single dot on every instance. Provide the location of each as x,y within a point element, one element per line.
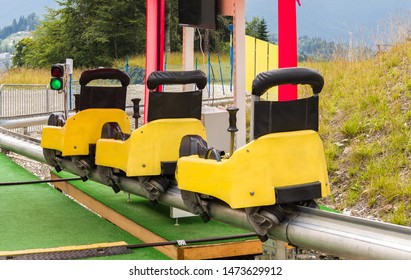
<point>365,124</point>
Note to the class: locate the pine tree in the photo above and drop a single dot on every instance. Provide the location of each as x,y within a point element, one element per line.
<point>262,30</point>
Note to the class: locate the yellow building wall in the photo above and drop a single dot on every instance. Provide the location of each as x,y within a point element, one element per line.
<point>261,56</point>
<point>249,62</point>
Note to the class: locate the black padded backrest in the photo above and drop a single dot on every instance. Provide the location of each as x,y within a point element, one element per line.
<point>274,116</point>
<point>166,105</point>
<point>103,97</point>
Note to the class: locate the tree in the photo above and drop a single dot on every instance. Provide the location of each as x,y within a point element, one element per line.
<point>257,28</point>
<point>251,28</point>
<point>22,53</point>
<point>262,30</point>
<point>93,33</point>
<point>48,44</point>
<point>175,31</point>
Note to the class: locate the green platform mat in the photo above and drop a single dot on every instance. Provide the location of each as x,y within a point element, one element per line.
<point>38,216</point>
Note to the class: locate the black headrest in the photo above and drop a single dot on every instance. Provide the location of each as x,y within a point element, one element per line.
<point>106,74</point>
<point>158,78</point>
<point>284,76</point>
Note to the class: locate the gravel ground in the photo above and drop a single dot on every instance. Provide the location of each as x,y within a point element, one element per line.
<point>42,171</point>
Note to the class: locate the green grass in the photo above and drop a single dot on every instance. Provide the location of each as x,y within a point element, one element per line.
<point>365,124</point>
<point>23,75</point>
<point>220,69</point>
<point>400,214</point>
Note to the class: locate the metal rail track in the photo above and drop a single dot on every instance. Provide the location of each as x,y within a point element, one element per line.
<point>336,234</point>
<point>19,136</point>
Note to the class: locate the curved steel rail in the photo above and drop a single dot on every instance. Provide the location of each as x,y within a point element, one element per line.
<point>336,234</point>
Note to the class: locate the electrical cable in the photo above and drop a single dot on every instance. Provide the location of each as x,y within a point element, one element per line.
<point>185,242</point>
<point>213,85</point>
<point>39,181</point>
<point>212,69</point>
<point>200,37</point>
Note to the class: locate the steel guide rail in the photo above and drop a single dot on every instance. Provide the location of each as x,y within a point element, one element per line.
<point>336,234</point>
<point>18,137</point>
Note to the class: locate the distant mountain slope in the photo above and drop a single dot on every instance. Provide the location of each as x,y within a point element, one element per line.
<point>10,10</point>
<point>333,20</point>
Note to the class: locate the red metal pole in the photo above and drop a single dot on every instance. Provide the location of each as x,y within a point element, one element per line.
<point>287,44</point>
<point>161,33</point>
<point>155,12</point>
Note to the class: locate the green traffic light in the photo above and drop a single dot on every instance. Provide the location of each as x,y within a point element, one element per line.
<point>56,84</point>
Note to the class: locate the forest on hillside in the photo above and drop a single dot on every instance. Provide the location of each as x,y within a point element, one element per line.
<point>22,24</point>
<point>20,28</point>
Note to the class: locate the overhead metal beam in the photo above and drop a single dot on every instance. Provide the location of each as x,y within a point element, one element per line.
<point>336,234</point>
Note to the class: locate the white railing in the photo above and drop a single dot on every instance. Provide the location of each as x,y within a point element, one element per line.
<point>17,100</point>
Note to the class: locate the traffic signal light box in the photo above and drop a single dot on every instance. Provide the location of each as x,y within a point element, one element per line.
<point>57,77</point>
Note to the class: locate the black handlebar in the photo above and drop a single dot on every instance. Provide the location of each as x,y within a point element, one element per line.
<point>105,74</point>
<point>158,78</point>
<point>232,111</point>
<point>285,76</point>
